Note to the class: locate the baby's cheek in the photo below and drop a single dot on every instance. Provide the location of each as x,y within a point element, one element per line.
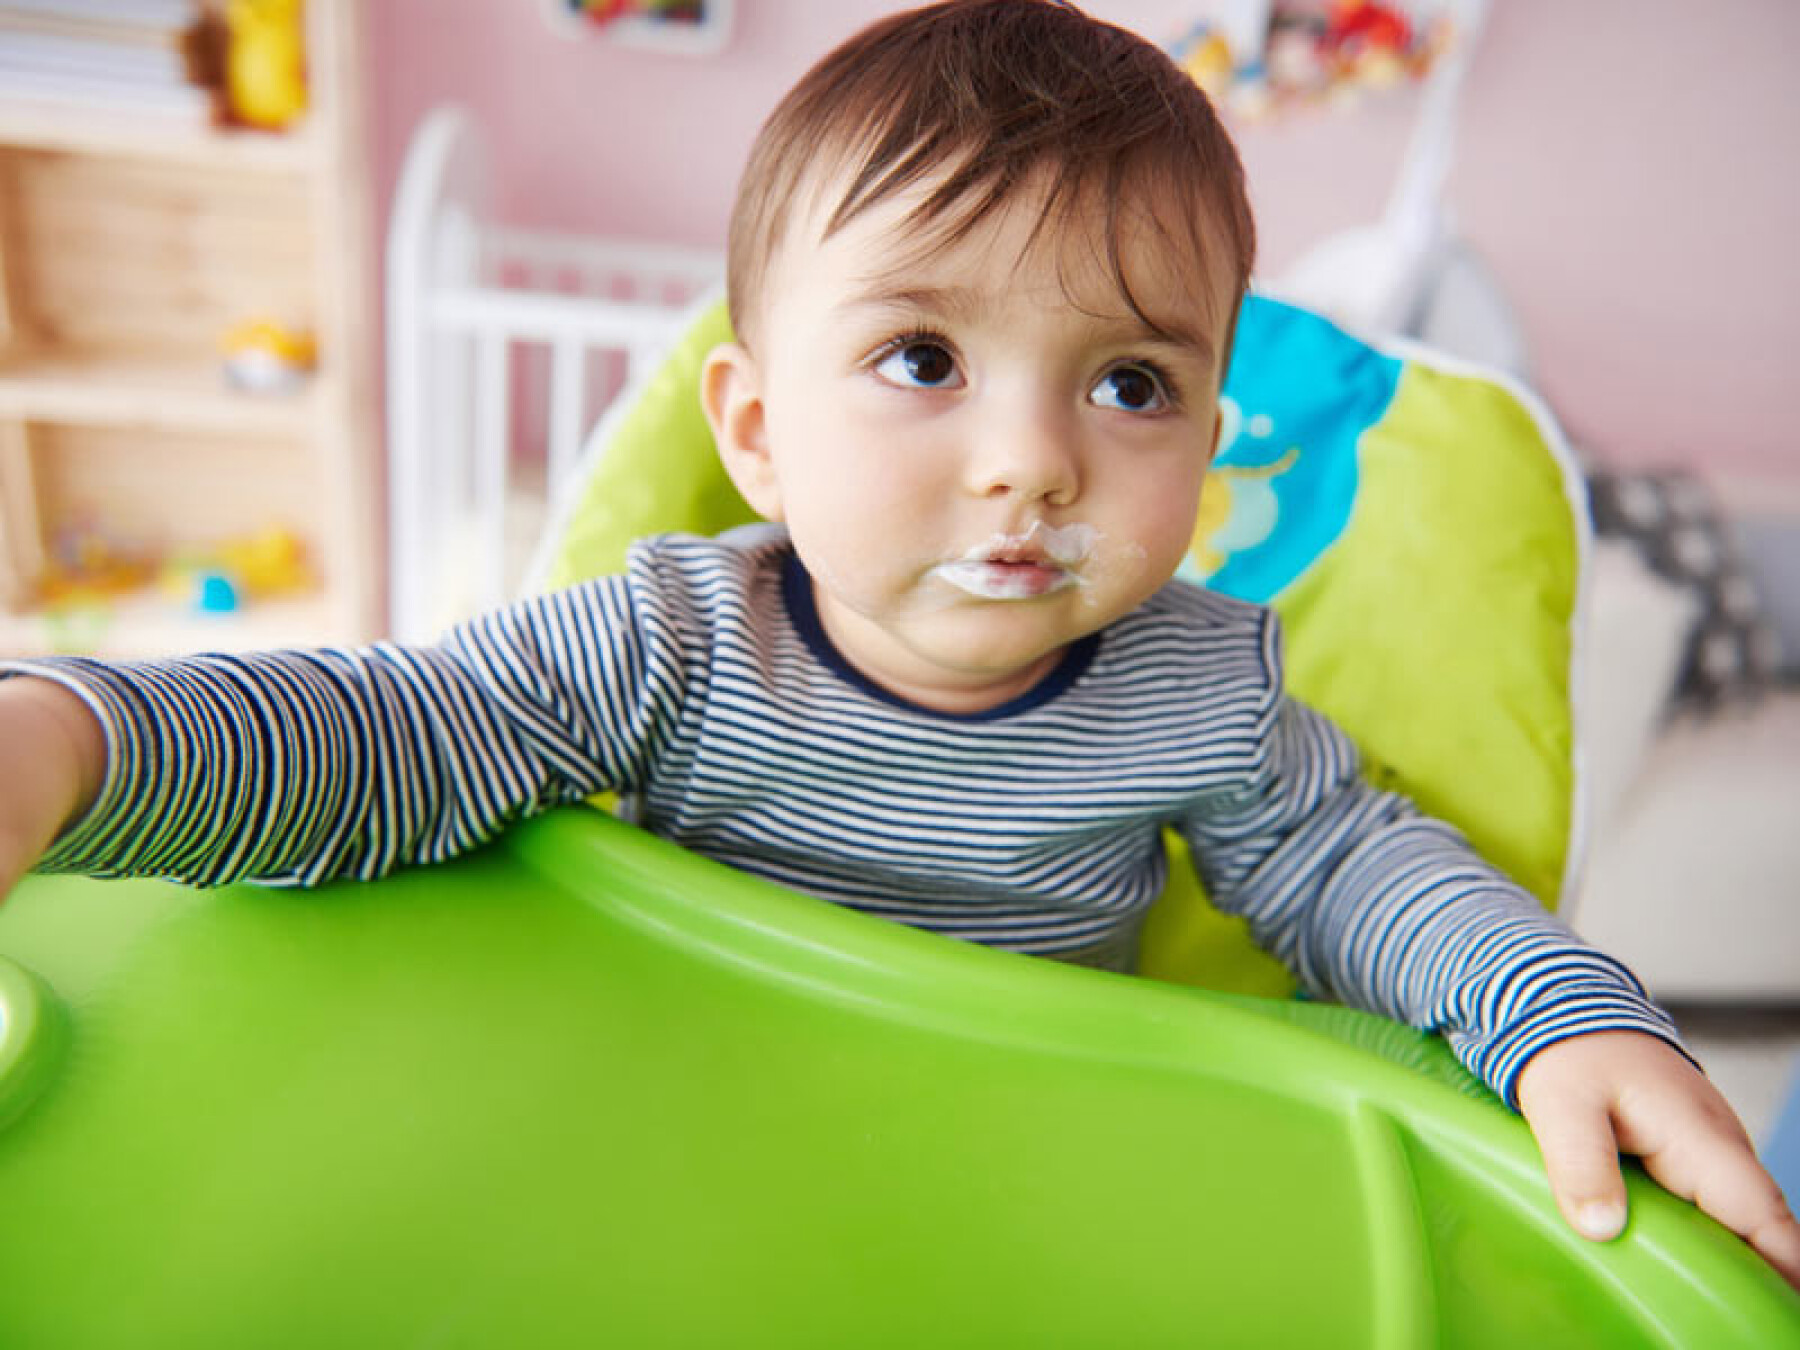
<point>857,566</point>
<point>1155,538</point>
<point>1116,576</point>
<point>1169,527</point>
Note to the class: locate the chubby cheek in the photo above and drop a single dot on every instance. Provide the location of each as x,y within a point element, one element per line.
<point>1150,536</point>
<point>864,545</point>
<point>1171,530</point>
<point>872,565</point>
<point>861,506</point>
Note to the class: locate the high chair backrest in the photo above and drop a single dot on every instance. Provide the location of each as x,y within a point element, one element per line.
<point>1418,524</point>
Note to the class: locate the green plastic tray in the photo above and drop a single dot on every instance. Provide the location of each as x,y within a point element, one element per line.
<point>585,1089</point>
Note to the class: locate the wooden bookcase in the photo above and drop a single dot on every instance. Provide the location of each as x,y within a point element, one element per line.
<point>128,248</point>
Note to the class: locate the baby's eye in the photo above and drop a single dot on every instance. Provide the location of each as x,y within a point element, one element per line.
<point>919,363</point>
<point>1131,389</point>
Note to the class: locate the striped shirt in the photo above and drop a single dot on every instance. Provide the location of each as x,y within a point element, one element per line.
<point>701,683</point>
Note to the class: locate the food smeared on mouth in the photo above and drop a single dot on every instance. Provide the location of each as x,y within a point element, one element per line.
<point>1023,566</point>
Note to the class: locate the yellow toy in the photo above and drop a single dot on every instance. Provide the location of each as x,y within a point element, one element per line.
<point>1209,64</point>
<point>265,357</point>
<point>269,563</point>
<point>225,577</point>
<point>265,61</point>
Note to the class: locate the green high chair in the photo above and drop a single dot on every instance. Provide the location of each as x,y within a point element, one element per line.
<point>584,1088</point>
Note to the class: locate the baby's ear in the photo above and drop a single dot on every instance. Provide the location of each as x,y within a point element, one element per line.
<point>731,395</point>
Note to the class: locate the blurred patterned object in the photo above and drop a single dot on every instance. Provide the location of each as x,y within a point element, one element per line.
<point>1675,523</point>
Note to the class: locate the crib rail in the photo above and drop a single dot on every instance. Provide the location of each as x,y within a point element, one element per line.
<point>504,345</point>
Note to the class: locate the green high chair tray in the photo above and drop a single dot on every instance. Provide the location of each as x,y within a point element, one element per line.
<point>584,1088</point>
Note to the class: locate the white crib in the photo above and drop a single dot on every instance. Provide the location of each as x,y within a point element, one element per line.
<point>503,346</point>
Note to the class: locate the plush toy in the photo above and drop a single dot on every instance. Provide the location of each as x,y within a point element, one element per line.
<point>1371,43</point>
<point>605,11</point>
<point>1206,57</point>
<point>265,61</point>
<point>223,578</point>
<point>265,357</point>
<point>89,564</point>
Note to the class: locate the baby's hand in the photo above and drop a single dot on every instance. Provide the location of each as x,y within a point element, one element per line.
<point>52,755</point>
<point>1592,1097</point>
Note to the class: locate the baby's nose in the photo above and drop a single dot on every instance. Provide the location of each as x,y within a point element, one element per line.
<point>1030,454</point>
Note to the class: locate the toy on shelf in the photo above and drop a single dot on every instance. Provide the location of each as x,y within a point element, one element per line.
<point>266,357</point>
<point>88,566</point>
<point>662,11</point>
<point>1205,54</point>
<point>1306,54</point>
<point>1372,44</point>
<point>225,577</point>
<point>687,27</point>
<point>265,62</point>
<point>87,570</point>
<point>91,568</point>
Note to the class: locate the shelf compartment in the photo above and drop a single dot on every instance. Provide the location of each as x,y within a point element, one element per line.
<point>163,488</point>
<point>106,254</point>
<point>145,625</point>
<point>145,392</point>
<point>156,495</point>
<point>70,129</point>
<point>133,240</point>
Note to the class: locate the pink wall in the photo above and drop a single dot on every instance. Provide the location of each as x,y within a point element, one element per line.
<point>1636,190</point>
<point>1626,168</point>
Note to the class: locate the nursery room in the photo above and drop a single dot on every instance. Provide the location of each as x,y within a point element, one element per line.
<point>327,323</point>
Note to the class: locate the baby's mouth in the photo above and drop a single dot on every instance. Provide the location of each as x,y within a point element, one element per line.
<point>1021,566</point>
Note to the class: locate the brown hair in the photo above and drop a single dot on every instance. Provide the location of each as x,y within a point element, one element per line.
<point>992,95</point>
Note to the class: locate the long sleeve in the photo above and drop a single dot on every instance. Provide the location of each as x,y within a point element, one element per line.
<point>1371,903</point>
<point>299,766</point>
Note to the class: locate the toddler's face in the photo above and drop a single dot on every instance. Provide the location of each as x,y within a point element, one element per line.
<point>982,455</point>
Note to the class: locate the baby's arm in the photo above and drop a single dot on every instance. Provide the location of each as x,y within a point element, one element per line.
<point>300,766</point>
<point>1370,902</point>
<point>54,756</point>
<point>1592,1097</point>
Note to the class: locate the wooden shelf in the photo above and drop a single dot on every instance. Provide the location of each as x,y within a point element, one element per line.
<point>148,624</point>
<point>133,236</point>
<point>125,392</point>
<point>153,135</point>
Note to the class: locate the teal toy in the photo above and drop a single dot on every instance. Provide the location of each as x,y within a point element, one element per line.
<point>214,594</point>
<point>583,1088</point>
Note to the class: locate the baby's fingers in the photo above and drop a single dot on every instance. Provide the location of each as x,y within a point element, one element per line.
<point>1581,1156</point>
<point>1713,1164</point>
<point>1590,1097</point>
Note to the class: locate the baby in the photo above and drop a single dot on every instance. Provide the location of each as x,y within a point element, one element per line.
<point>984,271</point>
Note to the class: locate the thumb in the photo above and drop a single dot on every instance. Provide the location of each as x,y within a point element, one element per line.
<point>1574,1134</point>
<point>10,870</point>
<point>16,856</point>
<point>53,755</point>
